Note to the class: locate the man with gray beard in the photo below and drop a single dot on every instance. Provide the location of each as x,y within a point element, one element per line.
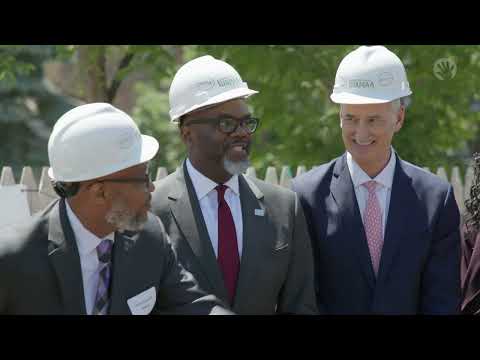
<point>97,250</point>
<point>244,240</point>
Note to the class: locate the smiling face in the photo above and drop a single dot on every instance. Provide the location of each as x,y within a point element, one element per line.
<point>215,154</point>
<point>367,132</point>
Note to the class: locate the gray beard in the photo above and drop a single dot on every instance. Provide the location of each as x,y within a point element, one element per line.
<point>235,168</point>
<point>123,218</point>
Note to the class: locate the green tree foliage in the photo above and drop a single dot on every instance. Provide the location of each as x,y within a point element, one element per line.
<point>151,115</point>
<point>102,68</point>
<point>11,63</point>
<point>28,108</point>
<point>300,124</point>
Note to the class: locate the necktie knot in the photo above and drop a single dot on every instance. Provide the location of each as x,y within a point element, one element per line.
<point>370,186</point>
<point>221,191</point>
<point>104,251</point>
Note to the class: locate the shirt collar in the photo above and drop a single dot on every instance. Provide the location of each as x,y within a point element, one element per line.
<point>359,177</point>
<point>203,185</point>
<point>86,240</point>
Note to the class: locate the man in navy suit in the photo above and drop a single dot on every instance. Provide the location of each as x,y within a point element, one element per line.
<point>385,233</point>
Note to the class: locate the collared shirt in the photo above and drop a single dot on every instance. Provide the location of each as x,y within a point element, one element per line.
<point>208,198</point>
<point>87,248</point>
<point>383,189</point>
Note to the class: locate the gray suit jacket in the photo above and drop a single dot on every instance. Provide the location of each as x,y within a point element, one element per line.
<point>276,268</point>
<point>40,270</point>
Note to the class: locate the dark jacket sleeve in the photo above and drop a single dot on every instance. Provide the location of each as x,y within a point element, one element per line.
<point>441,279</point>
<point>3,286</point>
<point>298,295</point>
<point>6,274</point>
<point>306,213</point>
<point>179,292</point>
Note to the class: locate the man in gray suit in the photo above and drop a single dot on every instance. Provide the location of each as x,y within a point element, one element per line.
<point>97,250</point>
<point>244,240</point>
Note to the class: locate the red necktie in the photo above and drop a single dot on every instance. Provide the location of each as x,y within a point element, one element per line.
<point>228,258</point>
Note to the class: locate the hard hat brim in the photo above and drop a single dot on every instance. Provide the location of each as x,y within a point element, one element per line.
<point>354,99</point>
<point>226,96</point>
<point>149,148</point>
<point>148,151</point>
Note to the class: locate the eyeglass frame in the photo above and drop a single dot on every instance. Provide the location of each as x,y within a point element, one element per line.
<point>216,121</point>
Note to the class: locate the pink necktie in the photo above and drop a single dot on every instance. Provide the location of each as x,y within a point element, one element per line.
<point>372,221</point>
<point>228,258</point>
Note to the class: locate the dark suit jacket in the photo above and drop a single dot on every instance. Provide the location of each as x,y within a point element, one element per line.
<point>276,268</point>
<point>40,270</point>
<point>420,262</point>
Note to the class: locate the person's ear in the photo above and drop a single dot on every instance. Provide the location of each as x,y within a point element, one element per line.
<point>186,134</point>
<point>98,192</point>
<point>400,118</point>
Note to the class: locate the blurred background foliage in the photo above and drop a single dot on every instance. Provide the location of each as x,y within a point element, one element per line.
<point>299,124</point>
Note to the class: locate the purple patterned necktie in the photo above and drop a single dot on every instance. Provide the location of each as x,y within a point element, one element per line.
<point>372,220</point>
<point>102,299</point>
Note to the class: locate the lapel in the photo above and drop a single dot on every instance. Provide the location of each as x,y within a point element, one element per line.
<point>63,254</point>
<point>402,208</point>
<point>343,193</point>
<point>121,268</point>
<point>255,231</point>
<point>188,215</point>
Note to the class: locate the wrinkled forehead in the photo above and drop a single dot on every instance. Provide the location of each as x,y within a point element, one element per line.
<point>133,171</point>
<point>236,107</point>
<point>366,110</point>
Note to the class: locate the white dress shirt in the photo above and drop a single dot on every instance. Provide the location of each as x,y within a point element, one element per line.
<point>208,199</point>
<point>87,248</point>
<point>384,185</point>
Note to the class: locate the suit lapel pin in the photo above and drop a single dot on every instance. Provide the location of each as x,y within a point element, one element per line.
<point>259,212</point>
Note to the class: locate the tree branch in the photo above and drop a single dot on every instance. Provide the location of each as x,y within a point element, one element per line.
<point>112,90</point>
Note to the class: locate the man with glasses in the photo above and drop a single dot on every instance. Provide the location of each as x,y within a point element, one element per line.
<point>244,240</point>
<point>97,250</point>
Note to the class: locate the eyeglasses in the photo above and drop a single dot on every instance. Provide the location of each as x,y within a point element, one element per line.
<point>229,124</point>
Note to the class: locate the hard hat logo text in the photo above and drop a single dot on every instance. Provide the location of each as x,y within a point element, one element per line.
<point>126,140</point>
<point>361,84</point>
<point>205,85</point>
<point>228,81</point>
<point>385,79</point>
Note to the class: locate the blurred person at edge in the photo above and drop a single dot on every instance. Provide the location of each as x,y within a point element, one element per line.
<point>471,246</point>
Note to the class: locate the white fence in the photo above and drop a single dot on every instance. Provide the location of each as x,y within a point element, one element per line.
<point>40,193</point>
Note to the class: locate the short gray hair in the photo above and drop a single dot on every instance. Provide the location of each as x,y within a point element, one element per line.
<point>403,101</point>
<point>396,104</point>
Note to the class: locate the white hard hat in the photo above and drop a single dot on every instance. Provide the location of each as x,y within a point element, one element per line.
<point>370,75</point>
<point>94,140</point>
<point>202,82</point>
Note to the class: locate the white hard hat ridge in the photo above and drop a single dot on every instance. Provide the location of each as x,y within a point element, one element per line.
<point>95,140</point>
<point>202,82</point>
<point>370,75</point>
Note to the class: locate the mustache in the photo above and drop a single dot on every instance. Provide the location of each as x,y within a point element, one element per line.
<point>246,144</point>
